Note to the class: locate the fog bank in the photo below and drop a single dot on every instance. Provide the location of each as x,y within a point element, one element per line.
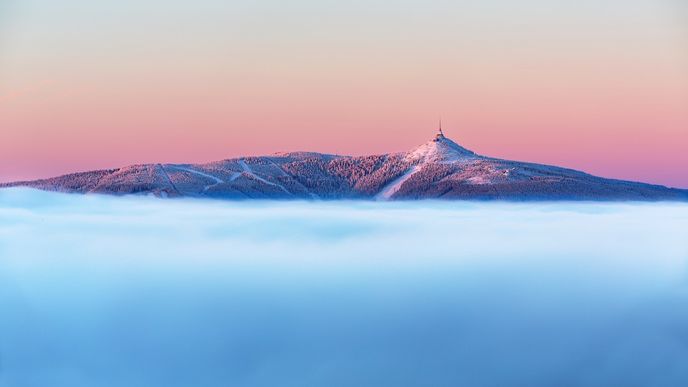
<point>103,291</point>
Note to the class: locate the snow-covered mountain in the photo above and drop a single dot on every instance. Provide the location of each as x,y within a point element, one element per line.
<point>440,168</point>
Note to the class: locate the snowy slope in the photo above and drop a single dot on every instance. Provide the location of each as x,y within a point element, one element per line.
<point>439,169</point>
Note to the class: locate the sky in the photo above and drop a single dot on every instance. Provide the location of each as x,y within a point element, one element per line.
<point>600,86</point>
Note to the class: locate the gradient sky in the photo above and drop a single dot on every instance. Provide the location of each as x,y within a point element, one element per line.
<point>600,86</point>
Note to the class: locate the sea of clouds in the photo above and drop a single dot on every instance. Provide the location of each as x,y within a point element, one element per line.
<point>134,291</point>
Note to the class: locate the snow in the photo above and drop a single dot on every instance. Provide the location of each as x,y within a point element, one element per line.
<point>215,178</point>
<point>437,165</point>
<point>479,180</point>
<point>438,150</point>
<point>388,191</point>
<point>199,173</point>
<point>247,169</point>
<point>441,150</point>
<point>166,176</point>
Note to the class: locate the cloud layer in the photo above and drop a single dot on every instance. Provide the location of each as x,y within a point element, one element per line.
<point>146,292</point>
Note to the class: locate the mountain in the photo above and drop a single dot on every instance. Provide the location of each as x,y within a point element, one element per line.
<point>438,169</point>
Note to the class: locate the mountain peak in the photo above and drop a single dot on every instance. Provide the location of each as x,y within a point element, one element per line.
<point>439,149</point>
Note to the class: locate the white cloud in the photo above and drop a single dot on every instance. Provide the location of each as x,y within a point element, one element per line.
<point>127,291</point>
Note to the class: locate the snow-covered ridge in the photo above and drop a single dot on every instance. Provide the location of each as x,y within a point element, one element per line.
<point>438,168</point>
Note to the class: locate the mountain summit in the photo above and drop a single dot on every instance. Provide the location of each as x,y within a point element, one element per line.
<point>437,169</point>
<point>440,150</point>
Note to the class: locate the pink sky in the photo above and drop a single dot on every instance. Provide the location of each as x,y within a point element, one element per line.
<point>590,87</point>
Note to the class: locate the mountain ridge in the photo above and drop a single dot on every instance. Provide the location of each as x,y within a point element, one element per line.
<point>437,169</point>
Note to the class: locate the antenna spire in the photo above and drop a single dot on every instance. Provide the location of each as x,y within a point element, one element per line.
<point>439,136</point>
